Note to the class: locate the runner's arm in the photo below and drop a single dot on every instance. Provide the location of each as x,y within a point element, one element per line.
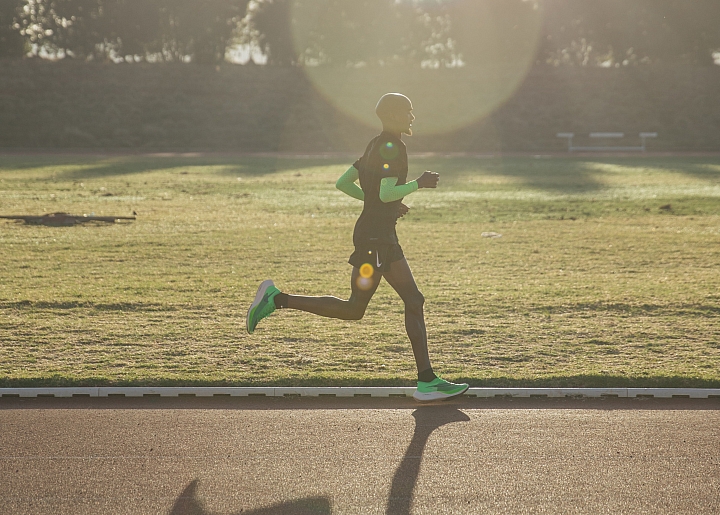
<point>346,184</point>
<point>389,191</point>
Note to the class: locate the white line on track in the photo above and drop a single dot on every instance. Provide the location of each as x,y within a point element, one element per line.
<point>352,391</point>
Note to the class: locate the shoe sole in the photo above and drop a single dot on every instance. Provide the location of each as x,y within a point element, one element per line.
<point>437,396</point>
<point>258,297</point>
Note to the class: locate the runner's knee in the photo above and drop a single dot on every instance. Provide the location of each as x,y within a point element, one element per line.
<point>356,309</point>
<point>356,313</point>
<point>414,301</point>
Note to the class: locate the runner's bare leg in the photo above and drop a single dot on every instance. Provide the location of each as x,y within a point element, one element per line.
<point>333,307</point>
<point>400,277</point>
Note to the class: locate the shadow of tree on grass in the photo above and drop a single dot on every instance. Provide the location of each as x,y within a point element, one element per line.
<point>248,166</point>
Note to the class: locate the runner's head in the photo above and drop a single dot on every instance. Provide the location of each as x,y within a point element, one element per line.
<point>395,113</point>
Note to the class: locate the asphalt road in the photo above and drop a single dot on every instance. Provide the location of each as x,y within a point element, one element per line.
<point>292,456</point>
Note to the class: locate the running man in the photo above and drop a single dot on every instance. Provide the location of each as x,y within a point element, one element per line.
<point>382,171</point>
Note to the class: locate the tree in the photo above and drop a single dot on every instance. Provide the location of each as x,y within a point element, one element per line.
<point>488,32</point>
<point>200,29</point>
<point>342,33</point>
<point>621,32</point>
<point>135,28</point>
<point>270,27</point>
<point>72,28</point>
<point>176,30</point>
<point>12,43</point>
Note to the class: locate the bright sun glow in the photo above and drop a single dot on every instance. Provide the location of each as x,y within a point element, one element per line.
<point>494,49</point>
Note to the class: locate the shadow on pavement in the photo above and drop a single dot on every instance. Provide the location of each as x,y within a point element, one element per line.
<point>427,420</point>
<point>188,504</point>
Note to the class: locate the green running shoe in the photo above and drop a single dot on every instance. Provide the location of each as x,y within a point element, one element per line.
<point>438,389</point>
<point>262,306</point>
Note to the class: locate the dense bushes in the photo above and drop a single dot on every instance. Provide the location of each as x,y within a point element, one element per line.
<point>257,108</point>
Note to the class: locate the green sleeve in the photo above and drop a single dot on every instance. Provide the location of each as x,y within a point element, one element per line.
<point>346,184</point>
<point>389,192</point>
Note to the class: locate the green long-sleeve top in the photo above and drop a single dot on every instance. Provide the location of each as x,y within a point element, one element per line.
<point>389,189</point>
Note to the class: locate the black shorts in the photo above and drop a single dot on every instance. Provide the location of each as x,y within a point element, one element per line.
<point>379,256</point>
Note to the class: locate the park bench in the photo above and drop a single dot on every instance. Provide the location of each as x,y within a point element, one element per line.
<point>606,135</point>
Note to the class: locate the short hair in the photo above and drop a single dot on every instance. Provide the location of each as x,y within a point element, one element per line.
<point>391,103</point>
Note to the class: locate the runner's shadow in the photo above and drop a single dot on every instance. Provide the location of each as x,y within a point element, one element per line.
<point>427,419</point>
<point>189,504</point>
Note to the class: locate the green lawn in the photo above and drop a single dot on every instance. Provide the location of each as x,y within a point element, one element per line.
<point>606,273</point>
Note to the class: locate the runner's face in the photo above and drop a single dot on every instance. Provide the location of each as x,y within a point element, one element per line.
<point>407,126</point>
<point>402,121</point>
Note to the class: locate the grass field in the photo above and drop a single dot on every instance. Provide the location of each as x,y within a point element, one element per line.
<point>606,273</point>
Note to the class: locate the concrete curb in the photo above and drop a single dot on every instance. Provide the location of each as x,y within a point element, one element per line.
<point>352,391</point>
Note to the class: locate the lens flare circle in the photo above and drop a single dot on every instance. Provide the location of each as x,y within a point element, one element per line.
<point>366,271</point>
<point>364,283</point>
<point>352,54</point>
<point>389,151</point>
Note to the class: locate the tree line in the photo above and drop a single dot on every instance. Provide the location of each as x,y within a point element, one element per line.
<point>167,30</point>
<point>430,33</point>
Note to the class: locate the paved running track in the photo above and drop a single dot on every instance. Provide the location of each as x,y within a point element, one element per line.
<point>295,456</point>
